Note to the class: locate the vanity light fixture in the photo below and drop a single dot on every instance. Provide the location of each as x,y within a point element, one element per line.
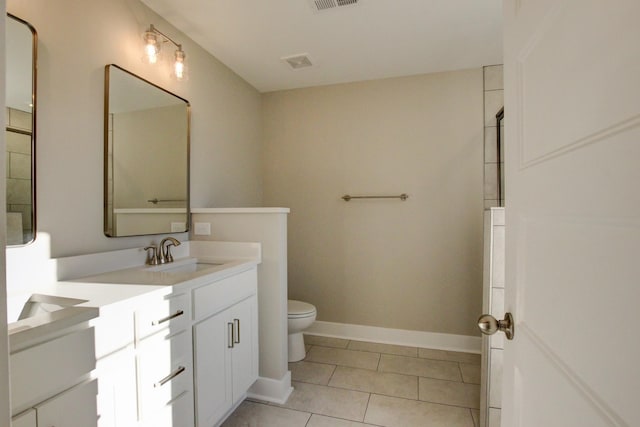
<point>153,40</point>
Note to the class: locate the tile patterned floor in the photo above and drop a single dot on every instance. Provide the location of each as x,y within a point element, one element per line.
<point>343,383</point>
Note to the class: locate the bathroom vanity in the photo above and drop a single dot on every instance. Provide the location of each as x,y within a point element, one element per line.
<point>169,345</point>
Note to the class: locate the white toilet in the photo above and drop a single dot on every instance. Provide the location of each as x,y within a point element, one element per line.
<point>300,316</point>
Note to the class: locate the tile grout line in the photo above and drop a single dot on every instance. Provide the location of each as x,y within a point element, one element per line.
<point>364,416</point>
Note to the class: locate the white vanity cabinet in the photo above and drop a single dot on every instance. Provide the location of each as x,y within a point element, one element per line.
<point>225,335</point>
<point>51,381</point>
<point>165,362</point>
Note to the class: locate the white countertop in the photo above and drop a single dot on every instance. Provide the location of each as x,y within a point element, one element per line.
<point>128,288</point>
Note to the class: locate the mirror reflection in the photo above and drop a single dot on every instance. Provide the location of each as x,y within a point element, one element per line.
<point>21,42</point>
<point>146,157</point>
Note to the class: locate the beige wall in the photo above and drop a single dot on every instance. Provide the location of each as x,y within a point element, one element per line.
<point>413,265</point>
<point>77,39</point>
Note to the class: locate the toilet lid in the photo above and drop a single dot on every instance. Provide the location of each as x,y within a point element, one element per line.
<point>297,308</point>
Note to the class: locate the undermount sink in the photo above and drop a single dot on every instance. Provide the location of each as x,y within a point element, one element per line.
<point>189,265</point>
<point>43,304</point>
<point>189,268</point>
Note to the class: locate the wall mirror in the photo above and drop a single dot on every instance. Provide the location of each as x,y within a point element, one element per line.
<point>20,133</point>
<point>146,151</point>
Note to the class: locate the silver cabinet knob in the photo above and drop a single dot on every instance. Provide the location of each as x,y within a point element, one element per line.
<point>489,325</point>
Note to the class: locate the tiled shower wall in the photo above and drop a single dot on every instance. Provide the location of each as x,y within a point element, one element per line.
<point>19,169</point>
<point>493,102</point>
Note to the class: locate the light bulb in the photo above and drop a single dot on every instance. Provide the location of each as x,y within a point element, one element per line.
<point>151,47</point>
<point>151,52</point>
<point>179,70</point>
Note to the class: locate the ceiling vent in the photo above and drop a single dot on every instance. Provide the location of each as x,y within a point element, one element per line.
<point>322,5</point>
<point>298,61</point>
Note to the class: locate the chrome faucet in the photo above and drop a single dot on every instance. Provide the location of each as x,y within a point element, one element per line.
<point>164,251</point>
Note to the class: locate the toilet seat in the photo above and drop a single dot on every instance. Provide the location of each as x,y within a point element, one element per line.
<point>296,309</point>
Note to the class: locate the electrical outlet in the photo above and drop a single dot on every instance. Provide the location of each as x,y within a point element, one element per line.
<point>178,227</point>
<point>202,228</point>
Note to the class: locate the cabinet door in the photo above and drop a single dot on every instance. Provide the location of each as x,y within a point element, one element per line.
<point>117,398</point>
<point>212,365</point>
<point>244,315</point>
<point>73,408</point>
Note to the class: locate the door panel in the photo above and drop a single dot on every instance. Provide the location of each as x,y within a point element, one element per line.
<point>572,97</point>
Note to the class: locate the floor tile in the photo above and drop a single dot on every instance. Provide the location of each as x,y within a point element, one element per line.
<point>450,393</point>
<point>453,356</point>
<point>389,384</point>
<point>323,400</point>
<point>383,348</point>
<point>309,372</point>
<point>307,347</point>
<point>322,421</point>
<point>427,368</point>
<point>325,341</point>
<point>395,412</point>
<point>475,413</point>
<point>258,414</point>
<point>470,373</point>
<point>336,356</point>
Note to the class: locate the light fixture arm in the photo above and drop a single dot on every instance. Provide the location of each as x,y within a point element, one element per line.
<point>166,38</point>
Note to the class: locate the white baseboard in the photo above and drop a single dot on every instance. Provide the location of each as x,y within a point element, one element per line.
<point>450,342</point>
<point>271,390</point>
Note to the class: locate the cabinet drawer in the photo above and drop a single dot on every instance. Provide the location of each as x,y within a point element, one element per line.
<point>46,369</point>
<point>165,371</point>
<point>217,296</point>
<point>73,408</point>
<point>170,312</point>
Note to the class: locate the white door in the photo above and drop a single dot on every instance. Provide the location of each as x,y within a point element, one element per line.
<point>572,86</point>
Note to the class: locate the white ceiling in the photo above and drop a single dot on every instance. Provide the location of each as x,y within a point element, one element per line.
<point>373,39</point>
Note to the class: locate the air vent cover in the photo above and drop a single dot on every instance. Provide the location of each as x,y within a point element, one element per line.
<point>298,61</point>
<point>321,5</point>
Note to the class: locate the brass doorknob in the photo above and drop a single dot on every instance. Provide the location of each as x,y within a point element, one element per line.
<point>489,325</point>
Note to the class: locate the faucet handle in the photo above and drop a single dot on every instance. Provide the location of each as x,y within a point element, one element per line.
<point>168,257</point>
<point>153,259</point>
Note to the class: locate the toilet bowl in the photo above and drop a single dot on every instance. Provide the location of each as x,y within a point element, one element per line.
<point>301,315</point>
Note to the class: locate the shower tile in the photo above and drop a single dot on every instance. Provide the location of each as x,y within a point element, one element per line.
<point>493,77</point>
<point>337,356</point>
<point>452,356</point>
<point>490,204</point>
<point>383,348</point>
<point>470,373</point>
<point>450,393</point>
<point>323,400</point>
<point>309,372</point>
<point>490,144</point>
<point>493,102</point>
<point>253,414</point>
<point>491,181</point>
<point>325,341</point>
<point>428,368</point>
<point>385,383</point>
<point>396,412</point>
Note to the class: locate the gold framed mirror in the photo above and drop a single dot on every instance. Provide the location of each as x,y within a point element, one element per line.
<point>146,149</point>
<point>20,132</point>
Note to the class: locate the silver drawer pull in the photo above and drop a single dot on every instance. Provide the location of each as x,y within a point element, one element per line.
<point>166,319</point>
<point>236,339</point>
<point>170,376</point>
<point>230,333</point>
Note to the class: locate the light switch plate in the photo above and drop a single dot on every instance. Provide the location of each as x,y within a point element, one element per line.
<point>202,228</point>
<point>178,227</point>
